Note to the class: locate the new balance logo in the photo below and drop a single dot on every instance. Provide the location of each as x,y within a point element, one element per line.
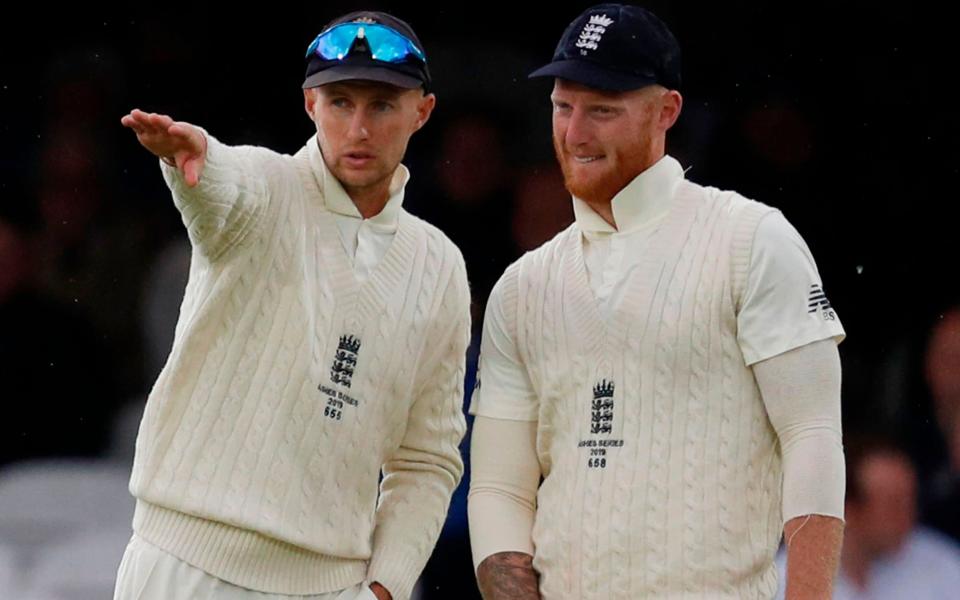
<point>817,299</point>
<point>818,302</point>
<point>345,360</point>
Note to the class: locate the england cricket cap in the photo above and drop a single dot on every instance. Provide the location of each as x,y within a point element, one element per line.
<point>407,69</point>
<point>616,47</point>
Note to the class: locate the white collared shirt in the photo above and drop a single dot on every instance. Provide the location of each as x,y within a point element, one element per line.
<point>365,241</point>
<point>610,254</point>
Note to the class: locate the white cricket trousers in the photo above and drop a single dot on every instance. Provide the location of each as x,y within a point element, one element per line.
<point>149,573</point>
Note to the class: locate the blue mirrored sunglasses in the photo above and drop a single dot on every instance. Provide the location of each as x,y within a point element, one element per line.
<point>386,44</point>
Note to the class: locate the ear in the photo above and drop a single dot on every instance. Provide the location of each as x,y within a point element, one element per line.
<point>425,108</point>
<point>310,96</point>
<point>670,105</point>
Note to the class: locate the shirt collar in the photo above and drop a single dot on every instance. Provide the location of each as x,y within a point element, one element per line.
<point>338,201</point>
<point>643,200</point>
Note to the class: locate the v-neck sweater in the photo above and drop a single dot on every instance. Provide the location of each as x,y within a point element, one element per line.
<point>291,384</point>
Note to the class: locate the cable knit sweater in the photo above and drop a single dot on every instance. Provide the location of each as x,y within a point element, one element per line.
<point>290,385</point>
<point>661,469</point>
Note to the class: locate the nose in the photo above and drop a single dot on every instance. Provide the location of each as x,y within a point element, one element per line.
<point>577,129</point>
<point>359,128</point>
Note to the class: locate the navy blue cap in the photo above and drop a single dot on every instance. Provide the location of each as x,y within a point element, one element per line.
<point>616,47</point>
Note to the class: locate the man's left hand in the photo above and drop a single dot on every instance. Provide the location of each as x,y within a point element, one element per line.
<point>380,592</point>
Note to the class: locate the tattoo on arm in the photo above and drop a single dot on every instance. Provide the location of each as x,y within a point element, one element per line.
<point>508,576</point>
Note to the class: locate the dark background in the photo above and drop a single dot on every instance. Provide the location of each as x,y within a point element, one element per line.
<point>844,117</point>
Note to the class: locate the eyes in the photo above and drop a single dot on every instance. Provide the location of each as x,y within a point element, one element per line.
<point>597,111</point>
<point>376,106</point>
<point>604,111</point>
<point>561,108</point>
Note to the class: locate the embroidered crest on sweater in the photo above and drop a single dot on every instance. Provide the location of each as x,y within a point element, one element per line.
<point>602,417</point>
<point>341,372</point>
<point>601,425</point>
<point>345,360</point>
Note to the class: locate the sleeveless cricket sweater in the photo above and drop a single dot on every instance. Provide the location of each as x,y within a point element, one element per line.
<point>655,447</point>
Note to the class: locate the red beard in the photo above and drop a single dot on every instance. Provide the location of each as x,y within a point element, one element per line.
<point>610,178</point>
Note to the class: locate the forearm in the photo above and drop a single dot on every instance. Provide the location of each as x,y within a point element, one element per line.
<point>415,495</point>
<point>801,392</point>
<point>502,506</point>
<point>813,553</point>
<point>505,476</point>
<point>421,474</point>
<point>508,576</point>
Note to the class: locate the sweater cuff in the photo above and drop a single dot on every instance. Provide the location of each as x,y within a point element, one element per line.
<point>216,171</point>
<point>227,202</point>
<point>395,567</point>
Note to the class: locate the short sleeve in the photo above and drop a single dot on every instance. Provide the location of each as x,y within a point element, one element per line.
<point>784,304</point>
<point>503,389</point>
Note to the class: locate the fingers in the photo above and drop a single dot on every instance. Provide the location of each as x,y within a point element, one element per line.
<point>191,135</point>
<point>159,121</point>
<point>146,123</point>
<point>169,139</point>
<point>182,130</point>
<point>130,122</point>
<point>191,171</point>
<point>136,119</point>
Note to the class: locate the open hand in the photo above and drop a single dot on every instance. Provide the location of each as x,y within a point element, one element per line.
<point>177,142</point>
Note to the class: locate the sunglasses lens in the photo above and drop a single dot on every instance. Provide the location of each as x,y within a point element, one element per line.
<point>387,46</point>
<point>335,43</point>
<point>384,43</point>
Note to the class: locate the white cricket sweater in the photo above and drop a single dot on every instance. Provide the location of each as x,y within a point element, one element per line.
<point>290,385</point>
<point>661,470</point>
